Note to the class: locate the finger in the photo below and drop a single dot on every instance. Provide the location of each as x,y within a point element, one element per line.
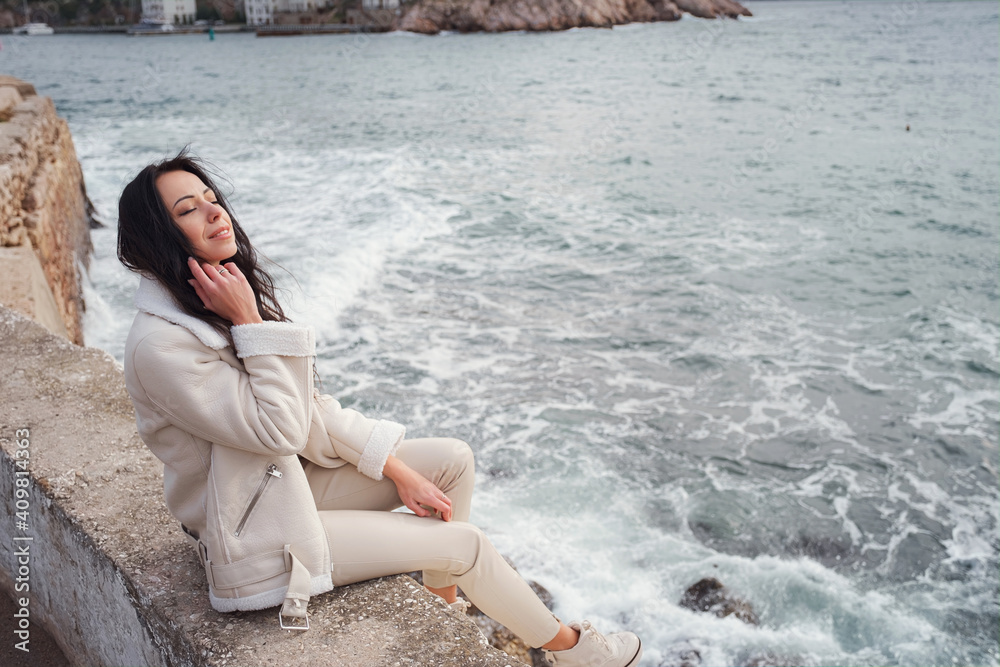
<point>213,272</point>
<point>195,267</point>
<point>418,509</point>
<point>440,504</point>
<point>233,269</point>
<point>198,272</point>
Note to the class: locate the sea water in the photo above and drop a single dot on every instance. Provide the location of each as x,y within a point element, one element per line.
<point>707,298</point>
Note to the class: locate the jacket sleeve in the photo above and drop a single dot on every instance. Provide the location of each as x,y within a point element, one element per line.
<point>340,434</point>
<point>264,409</point>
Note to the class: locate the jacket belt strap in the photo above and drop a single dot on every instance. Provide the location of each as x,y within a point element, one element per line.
<point>296,597</point>
<point>249,570</point>
<point>265,566</point>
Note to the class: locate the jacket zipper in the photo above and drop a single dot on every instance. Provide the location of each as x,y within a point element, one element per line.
<point>272,471</point>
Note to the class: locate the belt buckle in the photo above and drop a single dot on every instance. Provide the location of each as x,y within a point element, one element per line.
<point>294,625</point>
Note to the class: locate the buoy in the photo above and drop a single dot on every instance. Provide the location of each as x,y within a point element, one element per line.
<point>907,128</point>
<point>211,37</point>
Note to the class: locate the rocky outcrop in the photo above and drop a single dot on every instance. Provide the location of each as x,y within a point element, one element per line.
<point>709,595</point>
<point>433,16</point>
<point>43,204</point>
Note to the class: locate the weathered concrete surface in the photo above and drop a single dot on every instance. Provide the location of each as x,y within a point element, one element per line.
<point>43,204</point>
<point>112,577</point>
<point>44,652</point>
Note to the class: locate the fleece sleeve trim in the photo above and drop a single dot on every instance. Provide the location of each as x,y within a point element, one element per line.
<point>281,338</point>
<point>383,442</point>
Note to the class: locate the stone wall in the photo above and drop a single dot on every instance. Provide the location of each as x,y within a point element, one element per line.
<point>43,203</point>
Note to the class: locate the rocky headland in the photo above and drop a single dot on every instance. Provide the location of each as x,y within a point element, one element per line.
<point>45,216</point>
<point>433,16</point>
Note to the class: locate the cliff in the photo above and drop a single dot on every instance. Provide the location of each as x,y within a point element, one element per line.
<point>433,16</point>
<point>43,207</point>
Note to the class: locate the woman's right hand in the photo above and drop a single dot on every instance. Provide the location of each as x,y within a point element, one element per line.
<point>416,491</point>
<point>225,291</point>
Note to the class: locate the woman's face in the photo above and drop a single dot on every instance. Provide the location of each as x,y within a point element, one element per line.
<point>193,207</point>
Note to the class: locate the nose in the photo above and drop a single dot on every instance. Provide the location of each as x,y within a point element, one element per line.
<point>214,212</point>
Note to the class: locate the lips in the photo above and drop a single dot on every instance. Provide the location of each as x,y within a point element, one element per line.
<point>221,234</point>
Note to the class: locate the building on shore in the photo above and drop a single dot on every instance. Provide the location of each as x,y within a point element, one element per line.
<point>259,12</point>
<point>177,12</point>
<point>262,12</point>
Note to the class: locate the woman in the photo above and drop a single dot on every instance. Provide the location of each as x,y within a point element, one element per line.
<point>284,493</point>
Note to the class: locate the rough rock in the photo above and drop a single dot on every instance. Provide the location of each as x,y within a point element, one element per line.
<point>43,203</point>
<point>26,289</point>
<point>709,595</point>
<point>433,16</point>
<point>682,654</point>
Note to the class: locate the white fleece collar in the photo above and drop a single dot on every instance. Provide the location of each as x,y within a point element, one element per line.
<point>153,298</point>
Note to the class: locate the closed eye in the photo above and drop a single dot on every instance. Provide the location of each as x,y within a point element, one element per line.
<point>191,209</point>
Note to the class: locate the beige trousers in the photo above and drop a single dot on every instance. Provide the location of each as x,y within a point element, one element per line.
<point>368,540</point>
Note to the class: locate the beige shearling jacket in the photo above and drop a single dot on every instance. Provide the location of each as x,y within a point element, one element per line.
<point>229,423</point>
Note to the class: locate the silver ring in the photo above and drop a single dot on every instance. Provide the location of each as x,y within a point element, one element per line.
<point>223,270</point>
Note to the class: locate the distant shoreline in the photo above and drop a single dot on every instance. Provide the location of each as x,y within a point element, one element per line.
<point>465,16</point>
<point>122,29</point>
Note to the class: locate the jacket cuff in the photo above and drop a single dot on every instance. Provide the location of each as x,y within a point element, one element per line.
<point>281,338</point>
<point>383,442</point>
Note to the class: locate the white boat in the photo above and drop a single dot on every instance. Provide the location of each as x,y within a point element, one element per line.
<point>33,29</point>
<point>150,27</point>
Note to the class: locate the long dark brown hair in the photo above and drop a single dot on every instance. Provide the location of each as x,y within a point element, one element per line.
<point>151,243</point>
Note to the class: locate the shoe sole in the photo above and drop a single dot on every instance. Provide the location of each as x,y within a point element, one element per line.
<point>635,659</point>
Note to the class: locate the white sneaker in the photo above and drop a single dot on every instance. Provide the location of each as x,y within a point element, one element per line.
<point>461,605</point>
<point>621,649</point>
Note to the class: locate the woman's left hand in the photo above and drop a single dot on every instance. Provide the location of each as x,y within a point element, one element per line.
<point>416,491</point>
<point>224,290</point>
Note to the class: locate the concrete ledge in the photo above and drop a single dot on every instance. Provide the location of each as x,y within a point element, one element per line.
<point>109,573</point>
<point>26,290</point>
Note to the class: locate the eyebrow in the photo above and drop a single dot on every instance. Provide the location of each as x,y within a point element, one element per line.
<point>190,197</point>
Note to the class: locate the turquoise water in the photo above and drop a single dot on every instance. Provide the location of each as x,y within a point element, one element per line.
<point>700,301</point>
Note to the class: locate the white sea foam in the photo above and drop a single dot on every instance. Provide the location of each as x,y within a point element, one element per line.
<point>965,412</point>
<point>638,582</point>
